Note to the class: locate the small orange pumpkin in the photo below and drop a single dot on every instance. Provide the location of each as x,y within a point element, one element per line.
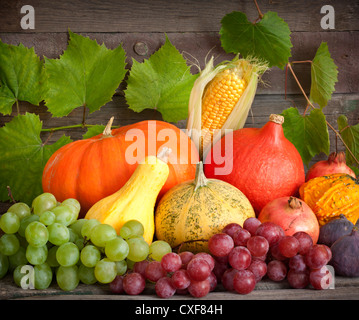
<point>91,169</point>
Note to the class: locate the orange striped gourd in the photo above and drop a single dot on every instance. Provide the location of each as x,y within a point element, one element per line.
<point>220,99</point>
<point>332,195</point>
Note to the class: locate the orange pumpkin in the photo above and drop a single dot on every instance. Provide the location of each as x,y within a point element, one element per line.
<point>91,169</point>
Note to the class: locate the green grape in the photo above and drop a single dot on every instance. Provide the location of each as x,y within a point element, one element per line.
<point>87,275</point>
<point>44,202</point>
<point>67,254</point>
<point>9,244</point>
<point>158,249</point>
<point>90,255</point>
<point>136,228</point>
<point>67,278</point>
<point>73,202</point>
<point>138,249</point>
<point>79,243</point>
<point>58,234</point>
<point>4,265</point>
<point>88,226</point>
<point>116,249</point>
<point>36,255</point>
<point>25,222</point>
<point>9,222</point>
<point>51,257</point>
<point>47,218</point>
<point>18,258</point>
<point>105,270</point>
<point>74,206</point>
<point>121,267</point>
<point>130,263</point>
<point>21,209</point>
<point>77,226</point>
<point>64,215</point>
<point>102,233</point>
<point>36,234</point>
<point>125,232</point>
<point>43,276</point>
<point>17,275</point>
<point>73,235</point>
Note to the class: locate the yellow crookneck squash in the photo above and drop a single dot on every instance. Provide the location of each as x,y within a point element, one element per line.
<point>332,195</point>
<point>137,198</point>
<point>197,209</point>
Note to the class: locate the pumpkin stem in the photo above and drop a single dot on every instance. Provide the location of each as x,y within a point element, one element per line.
<point>164,154</point>
<point>200,179</point>
<point>107,131</point>
<point>276,118</point>
<point>295,203</point>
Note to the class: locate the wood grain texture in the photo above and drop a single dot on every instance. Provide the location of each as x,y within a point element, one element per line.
<point>196,47</point>
<point>345,288</point>
<point>167,16</point>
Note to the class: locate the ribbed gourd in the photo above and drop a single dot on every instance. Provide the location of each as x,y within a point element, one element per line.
<point>137,198</point>
<point>332,195</point>
<point>221,98</point>
<point>197,209</point>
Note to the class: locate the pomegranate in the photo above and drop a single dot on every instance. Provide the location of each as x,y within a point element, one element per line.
<point>293,215</point>
<point>335,164</point>
<point>266,165</point>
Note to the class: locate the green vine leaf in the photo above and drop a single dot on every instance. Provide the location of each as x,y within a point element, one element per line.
<point>350,135</point>
<point>324,75</point>
<point>269,39</point>
<point>163,82</point>
<point>308,133</point>
<point>21,76</point>
<point>23,157</point>
<point>87,74</point>
<point>93,131</point>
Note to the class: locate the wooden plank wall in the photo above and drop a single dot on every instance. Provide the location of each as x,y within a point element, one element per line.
<point>193,27</point>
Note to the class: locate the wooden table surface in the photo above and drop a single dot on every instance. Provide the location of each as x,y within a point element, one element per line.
<point>344,289</point>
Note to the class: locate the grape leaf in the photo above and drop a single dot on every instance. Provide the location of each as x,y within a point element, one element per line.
<point>87,74</point>
<point>21,76</point>
<point>93,131</point>
<point>350,135</point>
<point>23,157</point>
<point>308,133</point>
<point>268,39</point>
<point>163,82</point>
<point>324,75</point>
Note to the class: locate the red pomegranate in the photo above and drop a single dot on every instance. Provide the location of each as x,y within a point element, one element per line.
<point>266,165</point>
<point>336,163</point>
<point>293,215</point>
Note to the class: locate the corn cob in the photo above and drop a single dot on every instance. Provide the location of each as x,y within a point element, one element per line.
<point>220,99</point>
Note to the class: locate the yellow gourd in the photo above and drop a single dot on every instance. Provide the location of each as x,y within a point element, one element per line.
<point>137,198</point>
<point>332,195</point>
<point>198,209</point>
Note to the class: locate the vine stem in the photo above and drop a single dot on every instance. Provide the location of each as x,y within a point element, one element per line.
<point>68,127</point>
<point>258,9</point>
<point>310,103</point>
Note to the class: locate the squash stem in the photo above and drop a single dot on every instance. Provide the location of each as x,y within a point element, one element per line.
<point>107,131</point>
<point>164,154</point>
<point>200,180</point>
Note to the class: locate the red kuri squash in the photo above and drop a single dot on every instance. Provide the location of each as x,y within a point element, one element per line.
<point>94,168</point>
<point>266,165</point>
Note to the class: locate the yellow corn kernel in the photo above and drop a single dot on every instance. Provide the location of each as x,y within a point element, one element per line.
<point>219,99</point>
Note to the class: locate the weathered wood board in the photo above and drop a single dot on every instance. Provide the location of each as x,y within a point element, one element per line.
<point>344,288</point>
<point>192,26</point>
